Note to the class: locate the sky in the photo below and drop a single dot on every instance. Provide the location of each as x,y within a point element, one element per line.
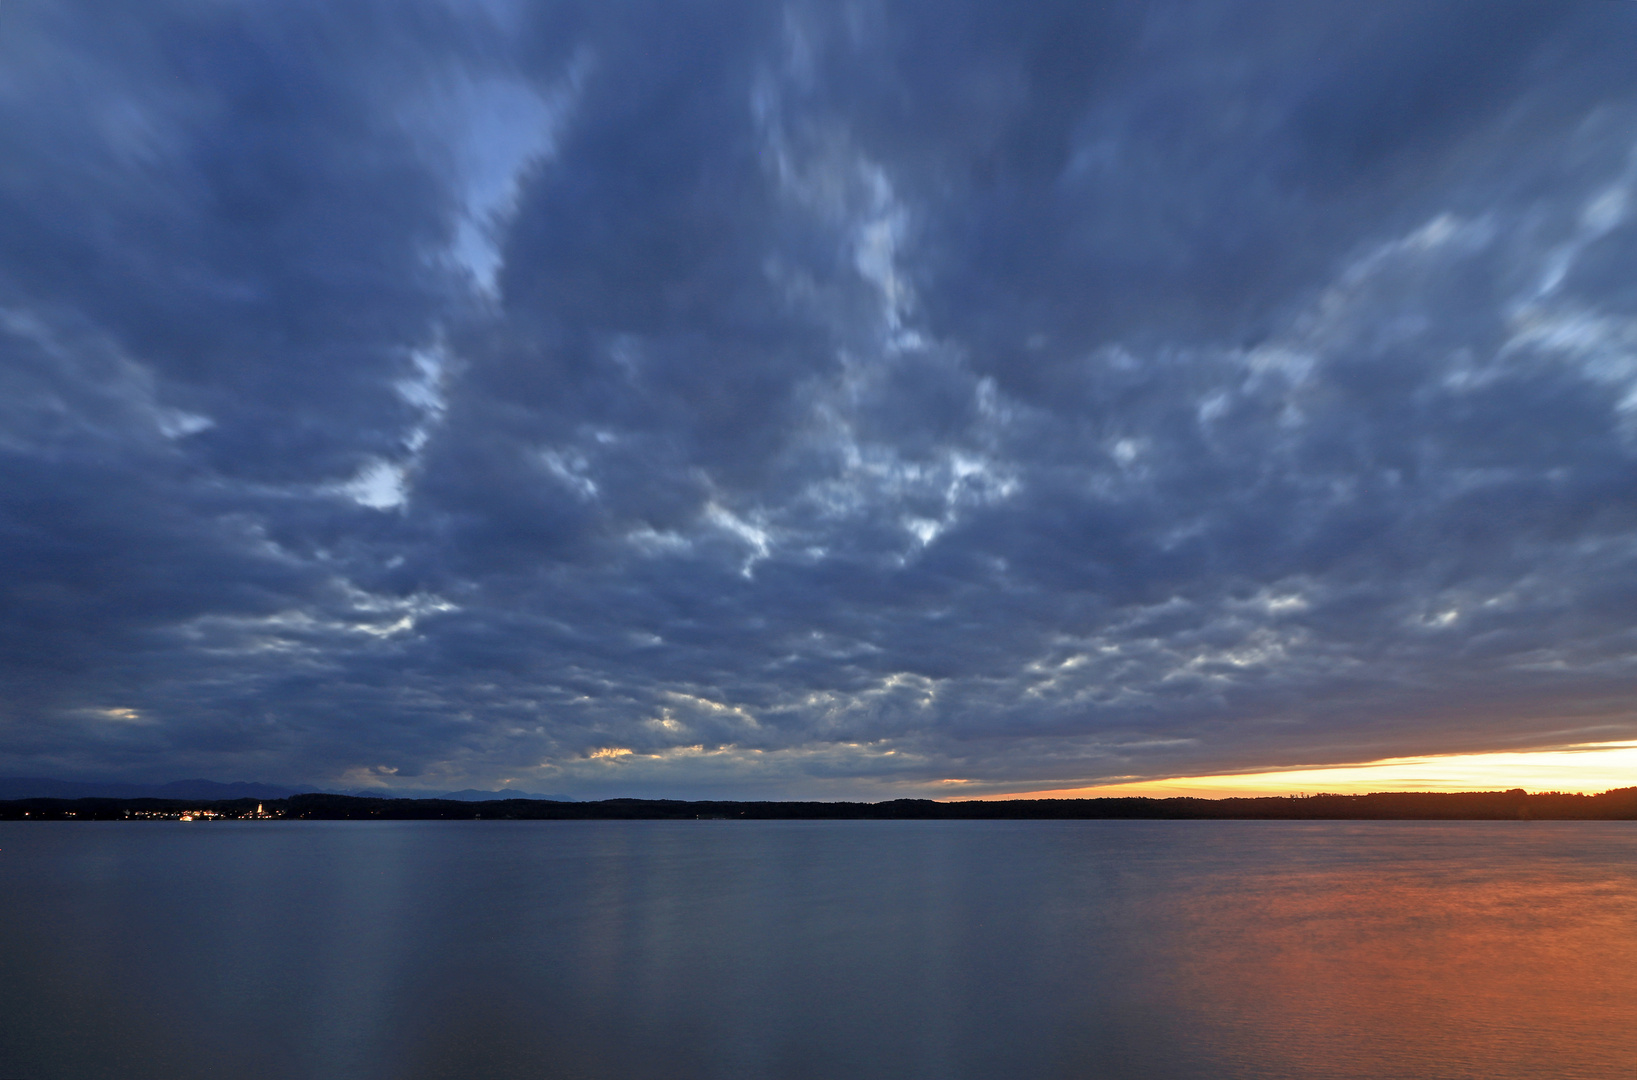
<point>816,400</point>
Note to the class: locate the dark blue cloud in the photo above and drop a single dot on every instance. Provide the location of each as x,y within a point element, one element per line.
<point>644,398</point>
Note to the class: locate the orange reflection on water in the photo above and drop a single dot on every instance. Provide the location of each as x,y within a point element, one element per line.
<point>1588,768</point>
<point>1512,963</point>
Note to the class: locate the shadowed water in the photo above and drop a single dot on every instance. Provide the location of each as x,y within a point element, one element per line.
<point>677,950</point>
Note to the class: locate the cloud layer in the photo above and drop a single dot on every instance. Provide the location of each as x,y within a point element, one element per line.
<point>826,400</point>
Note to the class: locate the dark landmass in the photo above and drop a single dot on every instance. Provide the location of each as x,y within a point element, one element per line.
<point>1617,805</point>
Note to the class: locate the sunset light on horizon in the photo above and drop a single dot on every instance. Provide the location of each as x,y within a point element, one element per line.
<point>1585,768</point>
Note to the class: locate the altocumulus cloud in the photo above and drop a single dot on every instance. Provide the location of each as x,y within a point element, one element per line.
<point>812,400</point>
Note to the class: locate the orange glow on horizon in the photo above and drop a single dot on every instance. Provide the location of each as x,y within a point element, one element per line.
<point>1587,768</point>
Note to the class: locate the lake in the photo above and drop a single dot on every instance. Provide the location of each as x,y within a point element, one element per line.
<point>847,949</point>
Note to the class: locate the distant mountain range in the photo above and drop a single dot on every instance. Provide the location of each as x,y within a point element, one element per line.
<point>17,787</point>
<point>464,795</point>
<point>20,787</point>
<point>473,795</point>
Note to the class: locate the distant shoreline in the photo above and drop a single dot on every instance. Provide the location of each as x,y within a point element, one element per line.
<point>1617,805</point>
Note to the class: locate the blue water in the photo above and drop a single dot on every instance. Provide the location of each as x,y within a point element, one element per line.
<point>676,950</point>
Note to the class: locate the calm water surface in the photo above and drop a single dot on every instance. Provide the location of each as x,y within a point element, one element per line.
<point>677,950</point>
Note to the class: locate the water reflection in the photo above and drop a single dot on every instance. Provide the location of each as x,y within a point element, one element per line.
<point>1474,950</point>
<point>813,949</point>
